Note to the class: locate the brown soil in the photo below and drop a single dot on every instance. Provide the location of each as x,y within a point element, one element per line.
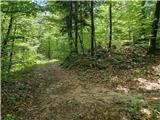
<point>60,94</point>
<point>55,93</point>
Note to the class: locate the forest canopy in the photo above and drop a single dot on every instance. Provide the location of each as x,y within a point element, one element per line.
<point>44,30</point>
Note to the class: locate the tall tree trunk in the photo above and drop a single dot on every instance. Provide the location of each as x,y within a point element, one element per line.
<point>49,49</point>
<point>110,24</point>
<point>12,48</point>
<point>154,28</point>
<point>81,41</point>
<point>76,27</point>
<point>129,34</point>
<point>92,30</point>
<point>5,41</point>
<point>142,19</point>
<point>128,22</point>
<point>81,31</point>
<point>70,28</point>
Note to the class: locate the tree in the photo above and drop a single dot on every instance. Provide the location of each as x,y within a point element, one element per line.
<point>155,28</point>
<point>11,51</point>
<point>92,30</point>
<point>81,28</point>
<point>49,49</point>
<point>110,24</point>
<point>70,27</point>
<point>5,41</point>
<point>142,19</point>
<point>76,26</point>
<point>14,32</point>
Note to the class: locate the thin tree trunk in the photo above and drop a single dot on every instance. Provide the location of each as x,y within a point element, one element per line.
<point>128,22</point>
<point>49,49</point>
<point>81,42</point>
<point>129,34</point>
<point>11,53</point>
<point>76,27</point>
<point>110,24</point>
<point>142,19</point>
<point>5,41</point>
<point>92,30</point>
<point>154,28</point>
<point>81,32</point>
<point>70,28</point>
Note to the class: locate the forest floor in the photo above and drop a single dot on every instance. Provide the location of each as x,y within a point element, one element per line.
<point>87,90</point>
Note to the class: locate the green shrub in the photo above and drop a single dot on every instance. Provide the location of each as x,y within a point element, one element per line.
<point>9,117</point>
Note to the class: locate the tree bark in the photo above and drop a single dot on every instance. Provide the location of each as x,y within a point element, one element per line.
<point>49,49</point>
<point>154,28</point>
<point>11,53</point>
<point>143,18</point>
<point>92,30</point>
<point>70,28</point>
<point>76,27</point>
<point>81,31</point>
<point>110,24</point>
<point>5,41</point>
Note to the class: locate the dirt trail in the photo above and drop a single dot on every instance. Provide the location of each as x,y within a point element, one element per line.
<point>58,94</point>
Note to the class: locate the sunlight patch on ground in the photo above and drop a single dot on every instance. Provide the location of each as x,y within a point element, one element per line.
<point>122,88</point>
<point>157,69</point>
<point>148,85</point>
<point>124,118</point>
<point>47,61</point>
<point>147,113</point>
<point>154,98</point>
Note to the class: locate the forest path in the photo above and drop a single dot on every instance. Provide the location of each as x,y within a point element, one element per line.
<point>58,94</point>
<point>51,86</point>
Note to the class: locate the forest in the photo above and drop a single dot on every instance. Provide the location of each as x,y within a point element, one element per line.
<point>80,60</point>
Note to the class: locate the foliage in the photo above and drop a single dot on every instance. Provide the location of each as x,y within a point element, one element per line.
<point>9,117</point>
<point>41,32</point>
